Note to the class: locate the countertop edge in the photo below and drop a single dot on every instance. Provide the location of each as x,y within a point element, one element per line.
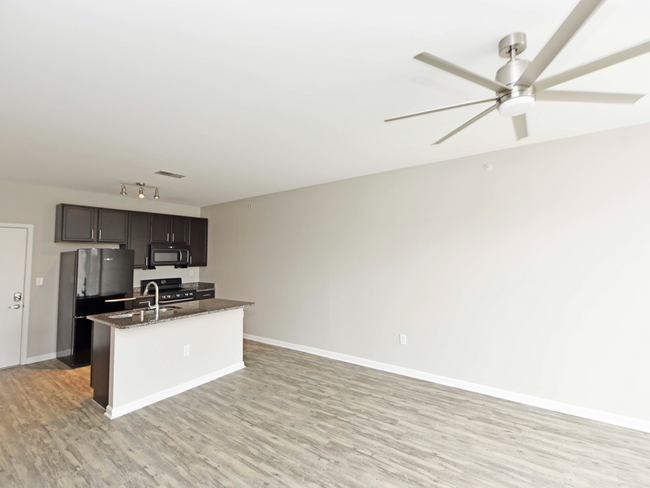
<point>99,317</point>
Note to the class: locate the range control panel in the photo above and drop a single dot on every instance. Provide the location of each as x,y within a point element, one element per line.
<point>177,295</point>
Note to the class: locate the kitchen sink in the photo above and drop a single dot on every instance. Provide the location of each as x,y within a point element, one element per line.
<point>167,309</point>
<point>127,315</point>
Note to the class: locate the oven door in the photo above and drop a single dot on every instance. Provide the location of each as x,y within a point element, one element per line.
<point>169,256</point>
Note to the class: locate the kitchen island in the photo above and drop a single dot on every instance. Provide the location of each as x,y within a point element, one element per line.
<point>140,357</point>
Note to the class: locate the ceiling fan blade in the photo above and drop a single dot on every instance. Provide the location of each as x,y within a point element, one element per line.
<point>556,43</point>
<point>441,109</point>
<point>521,126</point>
<point>466,124</point>
<point>589,97</point>
<point>458,71</point>
<point>585,69</point>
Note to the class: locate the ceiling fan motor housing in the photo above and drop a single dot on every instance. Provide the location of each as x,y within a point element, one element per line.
<point>518,99</point>
<point>512,71</point>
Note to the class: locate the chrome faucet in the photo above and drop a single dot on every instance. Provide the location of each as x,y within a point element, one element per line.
<point>157,298</point>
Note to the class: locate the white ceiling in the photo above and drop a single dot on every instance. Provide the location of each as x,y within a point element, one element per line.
<point>251,97</point>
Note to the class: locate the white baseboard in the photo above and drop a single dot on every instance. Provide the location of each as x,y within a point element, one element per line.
<point>587,413</point>
<point>113,413</point>
<point>38,359</point>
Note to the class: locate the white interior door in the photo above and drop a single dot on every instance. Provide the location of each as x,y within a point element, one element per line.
<point>13,246</point>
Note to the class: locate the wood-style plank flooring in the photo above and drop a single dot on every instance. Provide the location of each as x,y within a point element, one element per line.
<point>292,419</point>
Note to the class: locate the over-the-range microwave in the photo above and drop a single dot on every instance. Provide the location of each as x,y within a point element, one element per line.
<point>177,255</point>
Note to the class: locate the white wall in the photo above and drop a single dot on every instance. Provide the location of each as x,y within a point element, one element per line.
<point>534,277</point>
<point>35,204</point>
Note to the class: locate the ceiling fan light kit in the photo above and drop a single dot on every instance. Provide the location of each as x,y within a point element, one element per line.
<point>516,87</point>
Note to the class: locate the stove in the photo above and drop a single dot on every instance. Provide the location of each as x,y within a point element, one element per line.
<point>169,289</point>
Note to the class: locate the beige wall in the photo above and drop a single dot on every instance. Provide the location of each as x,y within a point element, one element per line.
<point>33,204</point>
<point>534,277</point>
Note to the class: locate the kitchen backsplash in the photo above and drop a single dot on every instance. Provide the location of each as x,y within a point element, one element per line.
<point>165,272</point>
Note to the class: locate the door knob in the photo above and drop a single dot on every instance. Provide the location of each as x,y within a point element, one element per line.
<point>14,306</point>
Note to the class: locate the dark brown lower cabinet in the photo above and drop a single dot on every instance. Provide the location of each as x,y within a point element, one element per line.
<point>100,363</point>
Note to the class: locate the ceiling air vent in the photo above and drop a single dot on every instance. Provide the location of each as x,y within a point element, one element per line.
<point>171,175</point>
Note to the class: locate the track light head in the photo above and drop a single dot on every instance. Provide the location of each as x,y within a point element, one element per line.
<point>156,195</point>
<point>123,192</point>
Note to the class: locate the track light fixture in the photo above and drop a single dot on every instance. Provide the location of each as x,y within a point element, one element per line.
<point>141,187</point>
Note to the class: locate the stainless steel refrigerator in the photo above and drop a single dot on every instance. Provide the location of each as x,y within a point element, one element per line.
<point>90,281</point>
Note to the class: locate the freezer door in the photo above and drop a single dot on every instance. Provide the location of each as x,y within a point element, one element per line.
<point>89,267</point>
<point>116,278</point>
<point>103,274</point>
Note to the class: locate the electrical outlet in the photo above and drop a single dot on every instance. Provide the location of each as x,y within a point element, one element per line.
<point>186,350</point>
<point>191,272</point>
<point>39,281</point>
<point>402,339</point>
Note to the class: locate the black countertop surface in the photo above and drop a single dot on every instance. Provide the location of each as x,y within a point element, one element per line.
<point>134,318</point>
<point>197,286</point>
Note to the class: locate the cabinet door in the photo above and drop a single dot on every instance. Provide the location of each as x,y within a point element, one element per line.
<point>198,242</point>
<point>111,225</point>
<point>159,230</point>
<point>75,224</point>
<point>138,239</point>
<point>180,229</point>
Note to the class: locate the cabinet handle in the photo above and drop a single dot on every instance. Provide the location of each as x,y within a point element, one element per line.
<point>167,235</point>
<point>100,234</point>
<point>173,237</point>
<point>190,259</point>
<point>92,234</point>
<point>146,260</point>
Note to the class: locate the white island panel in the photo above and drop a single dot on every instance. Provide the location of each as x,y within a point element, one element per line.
<point>148,365</point>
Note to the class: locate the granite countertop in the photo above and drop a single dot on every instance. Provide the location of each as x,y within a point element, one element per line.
<point>197,286</point>
<point>128,319</point>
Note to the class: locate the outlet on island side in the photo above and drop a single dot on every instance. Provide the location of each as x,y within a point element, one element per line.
<point>186,350</point>
<point>402,339</point>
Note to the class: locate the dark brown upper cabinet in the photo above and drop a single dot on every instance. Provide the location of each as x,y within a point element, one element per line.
<point>75,223</point>
<point>160,229</point>
<point>132,230</point>
<point>111,225</point>
<point>180,230</point>
<point>198,242</point>
<point>138,238</point>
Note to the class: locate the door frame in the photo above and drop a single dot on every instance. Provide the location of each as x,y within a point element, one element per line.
<point>28,286</point>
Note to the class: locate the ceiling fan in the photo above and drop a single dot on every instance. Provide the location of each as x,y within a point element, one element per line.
<point>516,87</point>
